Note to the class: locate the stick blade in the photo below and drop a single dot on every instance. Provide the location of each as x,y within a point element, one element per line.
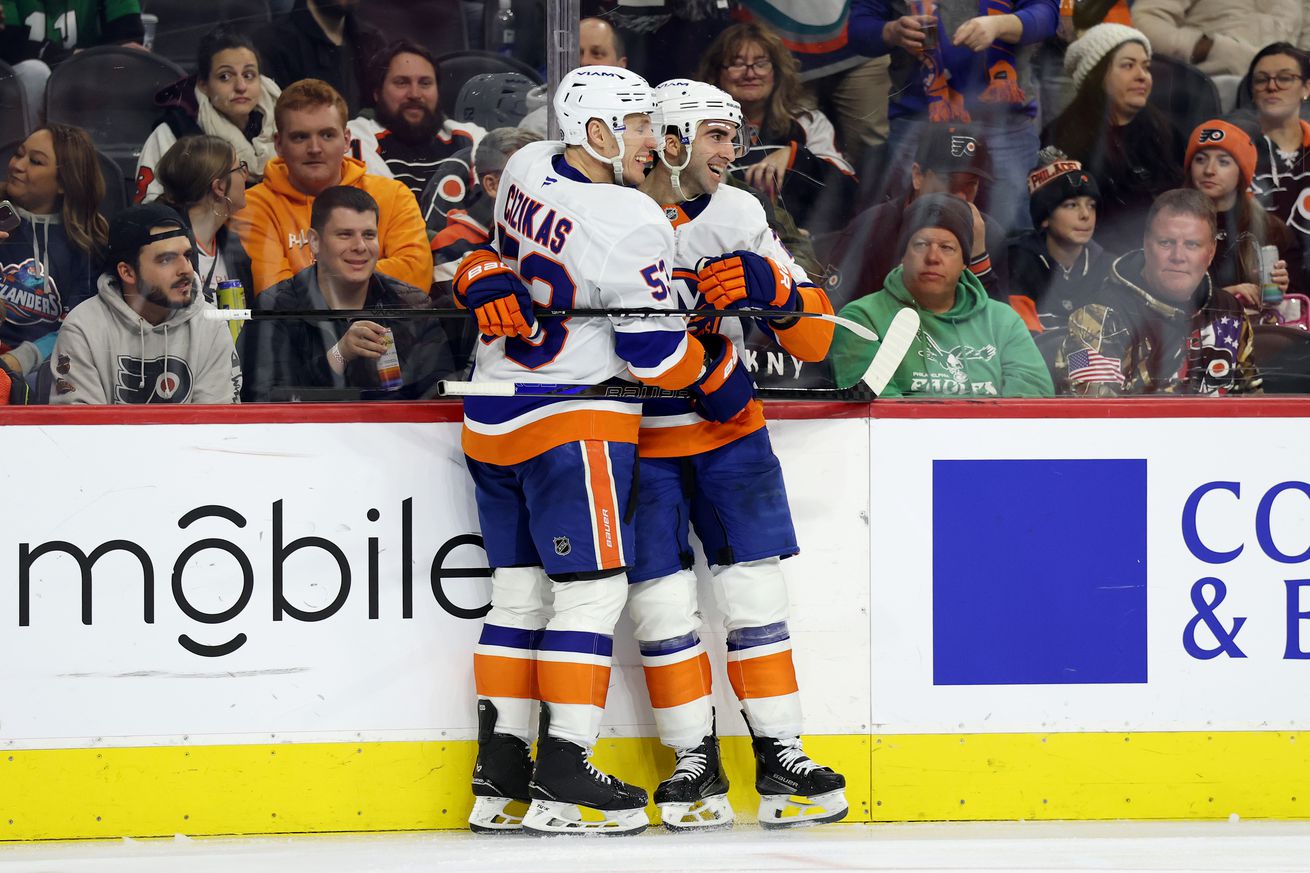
<point>896,341</point>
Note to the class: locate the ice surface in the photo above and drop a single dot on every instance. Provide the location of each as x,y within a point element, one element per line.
<point>1018,846</point>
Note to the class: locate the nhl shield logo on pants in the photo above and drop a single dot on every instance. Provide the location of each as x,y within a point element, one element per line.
<point>562,546</point>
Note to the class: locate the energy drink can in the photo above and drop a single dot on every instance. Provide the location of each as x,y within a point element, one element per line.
<point>232,295</point>
<point>389,378</point>
<point>1269,292</point>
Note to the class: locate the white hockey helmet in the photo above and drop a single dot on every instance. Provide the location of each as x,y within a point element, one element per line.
<point>609,94</point>
<point>684,104</point>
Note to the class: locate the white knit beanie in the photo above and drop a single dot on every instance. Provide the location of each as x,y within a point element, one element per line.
<point>1087,50</point>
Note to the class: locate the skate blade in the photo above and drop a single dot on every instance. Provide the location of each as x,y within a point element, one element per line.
<point>552,818</point>
<point>799,811</point>
<point>709,814</point>
<point>497,815</point>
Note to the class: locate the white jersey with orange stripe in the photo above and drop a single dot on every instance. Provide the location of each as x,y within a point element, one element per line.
<point>707,227</point>
<point>576,244</point>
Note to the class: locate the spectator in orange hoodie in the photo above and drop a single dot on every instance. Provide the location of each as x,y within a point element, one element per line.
<point>311,143</point>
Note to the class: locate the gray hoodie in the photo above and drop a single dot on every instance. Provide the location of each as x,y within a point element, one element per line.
<point>107,353</point>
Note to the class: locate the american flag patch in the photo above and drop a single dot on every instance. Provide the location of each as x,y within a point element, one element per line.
<point>1088,366</point>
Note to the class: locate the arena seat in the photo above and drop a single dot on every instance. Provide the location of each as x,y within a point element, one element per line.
<point>13,106</point>
<point>457,68</point>
<point>183,23</point>
<point>109,91</point>
<point>493,100</point>
<point>1282,355</point>
<point>1183,93</point>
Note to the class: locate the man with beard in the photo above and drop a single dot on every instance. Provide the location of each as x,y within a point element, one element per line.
<point>142,339</point>
<point>411,136</point>
<point>322,39</point>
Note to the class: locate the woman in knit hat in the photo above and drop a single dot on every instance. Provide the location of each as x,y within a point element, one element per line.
<point>1279,79</point>
<point>1220,164</point>
<point>1128,145</point>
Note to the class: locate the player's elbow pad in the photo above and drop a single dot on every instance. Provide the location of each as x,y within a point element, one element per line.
<point>725,389</point>
<point>809,339</point>
<point>654,359</point>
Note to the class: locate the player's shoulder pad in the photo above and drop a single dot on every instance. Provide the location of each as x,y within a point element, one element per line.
<point>637,216</point>
<point>521,162</point>
<point>737,201</point>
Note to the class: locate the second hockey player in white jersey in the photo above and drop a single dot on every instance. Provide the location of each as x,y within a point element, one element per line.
<point>553,476</point>
<point>722,479</point>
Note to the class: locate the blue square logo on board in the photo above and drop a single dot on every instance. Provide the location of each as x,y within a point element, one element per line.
<point>1039,572</point>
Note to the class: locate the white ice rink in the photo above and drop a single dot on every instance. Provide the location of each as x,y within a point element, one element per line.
<point>1021,846</point>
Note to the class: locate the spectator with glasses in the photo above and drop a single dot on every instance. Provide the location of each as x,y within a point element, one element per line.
<point>792,153</point>
<point>205,184</point>
<point>1280,87</point>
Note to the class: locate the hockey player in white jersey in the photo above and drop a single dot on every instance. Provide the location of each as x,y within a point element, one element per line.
<point>723,479</point>
<point>554,476</point>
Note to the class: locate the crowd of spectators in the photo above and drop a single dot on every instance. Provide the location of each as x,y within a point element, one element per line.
<point>1010,168</point>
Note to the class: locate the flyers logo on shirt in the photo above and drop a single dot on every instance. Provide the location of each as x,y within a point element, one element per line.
<point>1300,217</point>
<point>159,380</point>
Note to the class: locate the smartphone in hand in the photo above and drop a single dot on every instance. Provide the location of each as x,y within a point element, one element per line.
<point>9,218</point>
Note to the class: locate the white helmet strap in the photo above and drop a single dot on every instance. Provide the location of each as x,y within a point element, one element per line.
<point>616,162</point>
<point>675,171</point>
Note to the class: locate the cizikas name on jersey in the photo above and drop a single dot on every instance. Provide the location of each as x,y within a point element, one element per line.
<point>521,215</point>
<point>57,572</point>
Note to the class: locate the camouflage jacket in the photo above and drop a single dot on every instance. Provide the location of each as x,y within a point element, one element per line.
<point>1132,342</point>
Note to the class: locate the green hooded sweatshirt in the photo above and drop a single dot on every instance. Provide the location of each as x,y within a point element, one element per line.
<point>980,348</point>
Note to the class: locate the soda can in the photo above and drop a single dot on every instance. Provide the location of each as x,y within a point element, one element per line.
<point>389,378</point>
<point>232,295</point>
<point>1269,292</point>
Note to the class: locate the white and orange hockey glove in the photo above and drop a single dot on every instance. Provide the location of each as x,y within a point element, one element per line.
<point>745,279</point>
<point>500,302</point>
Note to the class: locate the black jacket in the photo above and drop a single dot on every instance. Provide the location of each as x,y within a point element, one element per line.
<point>1055,294</point>
<point>296,48</point>
<point>1202,346</point>
<point>282,357</point>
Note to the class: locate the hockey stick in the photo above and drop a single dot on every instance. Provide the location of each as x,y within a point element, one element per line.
<point>896,343</point>
<point>856,328</point>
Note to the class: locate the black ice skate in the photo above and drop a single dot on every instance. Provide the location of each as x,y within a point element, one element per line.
<point>569,796</point>
<point>795,791</point>
<point>500,778</point>
<point>695,797</point>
